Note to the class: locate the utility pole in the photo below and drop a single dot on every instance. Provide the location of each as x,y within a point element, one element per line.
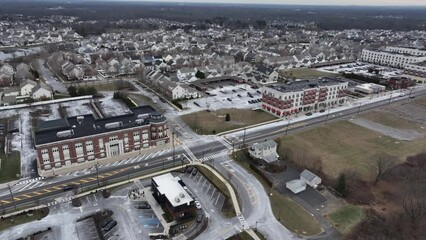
<point>328,114</point>
<point>288,125</point>
<point>97,174</point>
<point>174,149</point>
<point>244,137</point>
<point>11,195</point>
<point>409,95</point>
<point>359,108</point>
<point>233,146</point>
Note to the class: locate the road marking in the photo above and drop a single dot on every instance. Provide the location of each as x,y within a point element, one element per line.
<point>5,202</point>
<point>57,188</point>
<point>37,193</point>
<point>148,155</point>
<point>155,154</point>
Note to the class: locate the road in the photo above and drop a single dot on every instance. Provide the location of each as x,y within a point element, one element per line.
<point>56,85</point>
<point>250,190</point>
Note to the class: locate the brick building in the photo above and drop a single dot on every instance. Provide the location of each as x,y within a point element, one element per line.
<point>303,96</point>
<point>169,192</point>
<point>73,141</point>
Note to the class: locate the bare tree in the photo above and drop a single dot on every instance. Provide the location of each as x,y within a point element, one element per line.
<point>414,208</point>
<point>384,162</point>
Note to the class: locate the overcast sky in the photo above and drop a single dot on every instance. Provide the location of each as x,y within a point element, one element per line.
<point>309,2</point>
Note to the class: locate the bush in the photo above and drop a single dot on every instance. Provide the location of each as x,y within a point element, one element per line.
<point>341,185</point>
<point>228,117</point>
<point>177,104</point>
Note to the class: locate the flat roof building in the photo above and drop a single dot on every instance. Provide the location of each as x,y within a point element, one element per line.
<point>169,192</point>
<point>303,95</point>
<point>69,142</point>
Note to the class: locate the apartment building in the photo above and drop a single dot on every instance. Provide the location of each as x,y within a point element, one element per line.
<point>303,96</point>
<point>70,142</point>
<point>416,69</point>
<point>390,58</point>
<point>407,50</point>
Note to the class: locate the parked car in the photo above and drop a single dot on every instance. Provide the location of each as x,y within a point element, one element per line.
<point>199,218</point>
<point>308,114</point>
<point>239,95</point>
<point>106,222</point>
<point>194,172</point>
<point>229,99</point>
<point>197,205</point>
<point>322,110</point>
<point>110,225</point>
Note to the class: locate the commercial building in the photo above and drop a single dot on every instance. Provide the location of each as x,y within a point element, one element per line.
<point>407,50</point>
<point>416,69</point>
<point>303,95</point>
<point>393,57</point>
<point>70,142</point>
<point>370,88</point>
<point>169,192</point>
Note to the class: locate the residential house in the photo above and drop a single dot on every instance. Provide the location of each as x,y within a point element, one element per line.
<point>41,91</point>
<point>27,87</point>
<point>266,151</point>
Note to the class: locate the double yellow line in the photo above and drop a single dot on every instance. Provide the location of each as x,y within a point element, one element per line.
<point>49,189</point>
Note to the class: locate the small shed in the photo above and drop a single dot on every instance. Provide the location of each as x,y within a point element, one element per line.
<point>296,185</point>
<point>310,178</point>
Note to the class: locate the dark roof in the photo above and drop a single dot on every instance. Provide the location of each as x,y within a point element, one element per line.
<point>305,84</point>
<point>46,131</point>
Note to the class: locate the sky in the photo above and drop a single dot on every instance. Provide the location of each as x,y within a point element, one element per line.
<point>309,2</point>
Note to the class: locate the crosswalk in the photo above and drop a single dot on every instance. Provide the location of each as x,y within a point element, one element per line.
<point>30,180</point>
<point>31,185</point>
<point>220,154</point>
<point>243,221</point>
<point>63,200</point>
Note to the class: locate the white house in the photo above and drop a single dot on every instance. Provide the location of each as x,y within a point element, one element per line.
<point>267,151</point>
<point>41,91</point>
<point>27,87</point>
<point>310,178</point>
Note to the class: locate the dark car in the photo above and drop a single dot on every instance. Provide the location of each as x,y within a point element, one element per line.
<point>194,173</point>
<point>239,95</point>
<point>308,114</point>
<point>68,187</point>
<point>199,218</point>
<point>162,99</point>
<point>229,99</point>
<point>106,221</point>
<point>110,225</point>
<point>322,110</point>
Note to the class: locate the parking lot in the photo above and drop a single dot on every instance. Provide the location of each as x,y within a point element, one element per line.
<point>229,96</point>
<point>200,188</point>
<point>362,68</point>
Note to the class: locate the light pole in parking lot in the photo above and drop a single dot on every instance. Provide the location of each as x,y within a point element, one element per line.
<point>11,195</point>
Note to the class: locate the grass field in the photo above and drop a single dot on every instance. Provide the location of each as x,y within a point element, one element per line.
<point>228,208</point>
<point>343,145</point>
<point>391,120</point>
<point>289,213</point>
<point>213,122</point>
<point>345,218</point>
<point>10,167</point>
<point>144,100</point>
<point>23,218</point>
<point>301,73</point>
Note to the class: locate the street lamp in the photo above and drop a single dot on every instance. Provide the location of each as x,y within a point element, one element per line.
<point>288,124</point>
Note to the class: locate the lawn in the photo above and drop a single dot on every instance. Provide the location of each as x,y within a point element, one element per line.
<point>345,218</point>
<point>343,145</point>
<point>23,218</point>
<point>213,122</point>
<point>144,100</point>
<point>289,213</point>
<point>302,73</point>
<point>390,120</point>
<point>10,167</point>
<point>228,208</point>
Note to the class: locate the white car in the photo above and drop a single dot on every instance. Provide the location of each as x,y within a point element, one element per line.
<point>197,205</point>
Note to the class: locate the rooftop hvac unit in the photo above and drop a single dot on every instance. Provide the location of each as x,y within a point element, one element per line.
<point>182,195</point>
<point>139,121</point>
<point>113,125</point>
<point>143,116</point>
<point>177,199</point>
<point>64,134</point>
<point>80,119</point>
